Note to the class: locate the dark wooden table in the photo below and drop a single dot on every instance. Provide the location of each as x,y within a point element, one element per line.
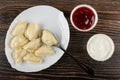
<point>65,68</point>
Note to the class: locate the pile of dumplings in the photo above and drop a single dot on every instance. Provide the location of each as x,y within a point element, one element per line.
<point>30,44</point>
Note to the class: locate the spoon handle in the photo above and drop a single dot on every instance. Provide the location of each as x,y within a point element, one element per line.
<point>84,66</point>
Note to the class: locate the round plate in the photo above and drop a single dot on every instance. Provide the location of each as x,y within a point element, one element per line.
<point>50,18</point>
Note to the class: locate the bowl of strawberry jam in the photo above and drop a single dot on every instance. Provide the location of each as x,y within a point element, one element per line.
<point>84,17</point>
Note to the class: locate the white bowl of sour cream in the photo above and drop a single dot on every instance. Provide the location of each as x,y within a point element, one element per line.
<point>100,47</point>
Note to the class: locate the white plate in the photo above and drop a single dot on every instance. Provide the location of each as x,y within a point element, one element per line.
<point>50,18</point>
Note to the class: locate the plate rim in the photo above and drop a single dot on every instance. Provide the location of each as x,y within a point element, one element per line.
<point>13,22</point>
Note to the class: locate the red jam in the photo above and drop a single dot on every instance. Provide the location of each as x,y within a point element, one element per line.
<point>83,18</point>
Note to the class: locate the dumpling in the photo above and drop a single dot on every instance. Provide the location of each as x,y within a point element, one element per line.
<point>32,31</point>
<point>44,50</point>
<point>18,55</point>
<point>31,58</point>
<point>33,45</point>
<point>20,28</point>
<point>18,41</point>
<point>48,38</point>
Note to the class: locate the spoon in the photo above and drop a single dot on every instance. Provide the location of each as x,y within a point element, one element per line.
<point>84,66</point>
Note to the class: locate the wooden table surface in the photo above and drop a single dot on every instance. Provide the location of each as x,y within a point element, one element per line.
<point>109,23</point>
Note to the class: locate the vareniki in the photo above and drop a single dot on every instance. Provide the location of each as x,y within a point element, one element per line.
<point>30,44</point>
<point>33,45</point>
<point>44,50</point>
<point>20,28</point>
<point>18,41</point>
<point>48,38</point>
<point>32,31</point>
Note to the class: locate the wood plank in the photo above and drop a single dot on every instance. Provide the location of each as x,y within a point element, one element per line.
<point>65,68</point>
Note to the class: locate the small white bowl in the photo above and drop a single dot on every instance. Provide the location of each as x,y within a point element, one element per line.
<point>91,8</point>
<point>97,43</point>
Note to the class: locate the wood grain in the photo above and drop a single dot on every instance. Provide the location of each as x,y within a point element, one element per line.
<point>65,68</point>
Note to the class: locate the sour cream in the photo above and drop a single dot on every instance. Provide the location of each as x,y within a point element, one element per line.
<point>100,47</point>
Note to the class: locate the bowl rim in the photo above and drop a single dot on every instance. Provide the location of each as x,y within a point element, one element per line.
<point>111,42</point>
<point>91,8</point>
